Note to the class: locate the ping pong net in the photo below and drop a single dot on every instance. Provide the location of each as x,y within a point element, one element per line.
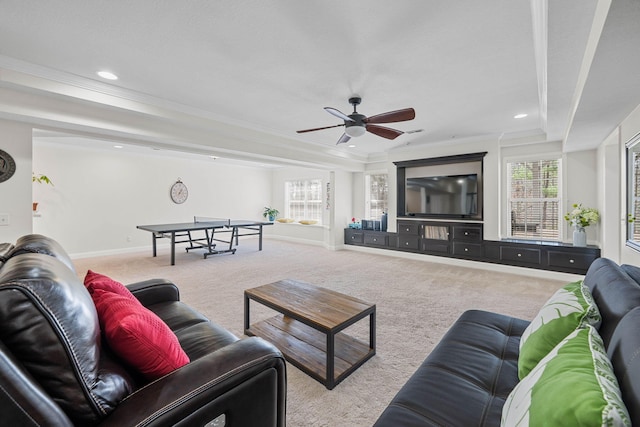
<point>219,222</point>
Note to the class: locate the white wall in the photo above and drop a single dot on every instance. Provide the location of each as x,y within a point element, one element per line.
<point>15,193</point>
<point>101,195</point>
<point>580,186</point>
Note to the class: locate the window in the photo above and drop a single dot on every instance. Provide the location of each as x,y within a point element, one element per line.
<point>534,199</point>
<point>633,192</point>
<point>304,199</point>
<point>376,191</point>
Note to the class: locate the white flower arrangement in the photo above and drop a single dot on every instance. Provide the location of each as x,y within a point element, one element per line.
<point>581,216</point>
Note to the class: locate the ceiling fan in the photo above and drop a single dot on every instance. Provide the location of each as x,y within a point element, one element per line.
<point>357,124</point>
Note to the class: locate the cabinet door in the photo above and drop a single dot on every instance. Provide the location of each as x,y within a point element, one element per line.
<point>408,227</point>
<point>467,232</point>
<point>435,232</point>
<point>467,249</point>
<point>439,246</point>
<point>531,256</point>
<point>408,242</point>
<point>353,237</point>
<point>375,239</point>
<point>580,261</point>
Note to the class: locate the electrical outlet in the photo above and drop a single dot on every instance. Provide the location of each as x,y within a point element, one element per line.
<point>4,219</point>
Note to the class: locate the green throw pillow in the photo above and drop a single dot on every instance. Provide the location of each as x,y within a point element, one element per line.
<point>569,308</point>
<point>573,385</point>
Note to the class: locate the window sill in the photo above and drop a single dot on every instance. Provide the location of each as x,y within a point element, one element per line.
<point>297,224</point>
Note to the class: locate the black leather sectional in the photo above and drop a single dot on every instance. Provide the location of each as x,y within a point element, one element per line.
<point>56,371</point>
<point>468,376</point>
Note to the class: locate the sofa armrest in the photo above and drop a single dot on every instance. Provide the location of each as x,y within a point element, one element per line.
<point>154,291</point>
<point>244,381</point>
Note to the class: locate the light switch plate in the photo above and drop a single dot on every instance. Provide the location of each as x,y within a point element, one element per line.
<point>4,219</point>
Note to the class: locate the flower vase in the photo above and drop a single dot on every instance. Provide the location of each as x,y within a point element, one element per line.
<point>579,236</point>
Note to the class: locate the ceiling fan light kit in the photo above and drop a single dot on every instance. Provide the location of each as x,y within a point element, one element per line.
<point>357,124</point>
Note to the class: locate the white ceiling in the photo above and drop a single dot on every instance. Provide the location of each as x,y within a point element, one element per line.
<point>269,67</point>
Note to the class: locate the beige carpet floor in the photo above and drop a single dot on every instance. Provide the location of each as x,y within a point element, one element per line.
<point>417,301</point>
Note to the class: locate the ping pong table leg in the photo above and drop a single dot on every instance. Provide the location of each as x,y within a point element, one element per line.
<point>153,243</point>
<point>173,248</point>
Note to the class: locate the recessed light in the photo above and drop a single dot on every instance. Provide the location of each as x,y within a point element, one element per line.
<point>117,146</point>
<point>352,146</point>
<point>520,116</point>
<point>107,75</point>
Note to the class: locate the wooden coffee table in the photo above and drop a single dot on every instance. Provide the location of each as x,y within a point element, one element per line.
<point>308,330</point>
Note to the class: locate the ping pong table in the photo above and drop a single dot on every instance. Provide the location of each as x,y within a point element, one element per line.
<point>186,232</point>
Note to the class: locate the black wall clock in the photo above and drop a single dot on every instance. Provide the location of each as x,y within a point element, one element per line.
<point>7,166</point>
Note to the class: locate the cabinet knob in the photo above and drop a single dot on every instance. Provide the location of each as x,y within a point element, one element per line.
<point>406,243</point>
<point>571,261</point>
<point>353,237</point>
<point>466,249</point>
<point>519,255</point>
<point>466,233</point>
<point>407,229</point>
<point>375,240</point>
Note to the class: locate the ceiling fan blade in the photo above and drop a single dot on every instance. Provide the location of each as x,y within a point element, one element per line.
<point>344,138</point>
<point>393,116</point>
<point>384,131</point>
<point>338,114</point>
<point>311,130</point>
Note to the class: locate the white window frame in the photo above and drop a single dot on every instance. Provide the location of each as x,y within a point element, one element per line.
<point>307,212</point>
<point>367,195</point>
<point>559,199</point>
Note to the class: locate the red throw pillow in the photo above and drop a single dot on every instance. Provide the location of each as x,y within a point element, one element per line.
<point>93,281</point>
<point>138,336</point>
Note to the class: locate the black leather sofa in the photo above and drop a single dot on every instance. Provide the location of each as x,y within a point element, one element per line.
<point>55,370</point>
<point>468,376</point>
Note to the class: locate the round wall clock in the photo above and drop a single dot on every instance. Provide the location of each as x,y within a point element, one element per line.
<point>179,192</point>
<point>7,166</point>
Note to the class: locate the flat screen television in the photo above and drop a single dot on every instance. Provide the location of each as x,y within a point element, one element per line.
<point>442,196</point>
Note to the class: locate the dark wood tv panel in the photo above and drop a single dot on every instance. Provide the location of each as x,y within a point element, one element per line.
<point>464,240</point>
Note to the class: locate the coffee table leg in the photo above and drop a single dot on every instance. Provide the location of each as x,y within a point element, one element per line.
<point>330,384</point>
<point>246,313</point>
<point>372,330</point>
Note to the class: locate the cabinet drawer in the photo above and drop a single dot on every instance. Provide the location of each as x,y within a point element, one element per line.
<point>570,260</point>
<point>353,237</point>
<point>408,228</point>
<point>375,239</point>
<point>408,242</point>
<point>467,249</point>
<point>468,233</point>
<point>439,246</point>
<point>531,256</point>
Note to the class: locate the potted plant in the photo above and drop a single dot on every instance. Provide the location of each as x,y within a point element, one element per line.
<point>40,179</point>
<point>270,213</point>
<point>581,217</point>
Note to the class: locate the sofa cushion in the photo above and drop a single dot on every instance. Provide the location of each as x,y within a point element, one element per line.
<point>38,244</point>
<point>49,323</point>
<point>569,308</point>
<point>614,292</point>
<point>138,336</point>
<point>624,351</point>
<point>573,385</point>
<point>466,378</point>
